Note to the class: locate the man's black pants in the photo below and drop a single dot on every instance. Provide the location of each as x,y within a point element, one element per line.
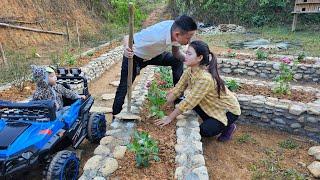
<point>164,59</point>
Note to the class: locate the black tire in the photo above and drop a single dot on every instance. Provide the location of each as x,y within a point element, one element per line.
<point>96,127</point>
<point>64,166</point>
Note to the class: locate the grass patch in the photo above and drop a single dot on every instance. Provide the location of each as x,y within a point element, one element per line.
<point>270,167</point>
<point>288,144</point>
<point>308,38</point>
<point>245,138</point>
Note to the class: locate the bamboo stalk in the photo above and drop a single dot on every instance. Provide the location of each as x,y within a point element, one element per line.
<point>130,60</point>
<point>32,29</point>
<point>67,30</point>
<point>3,55</point>
<point>78,36</point>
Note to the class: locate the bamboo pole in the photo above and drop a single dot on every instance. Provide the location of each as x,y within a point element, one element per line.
<point>78,36</point>
<point>3,55</point>
<point>32,29</point>
<point>67,30</point>
<point>130,60</point>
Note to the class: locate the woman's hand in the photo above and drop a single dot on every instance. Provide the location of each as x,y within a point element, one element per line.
<point>170,97</point>
<point>164,121</point>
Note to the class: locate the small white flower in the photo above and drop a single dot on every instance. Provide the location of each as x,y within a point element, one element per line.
<point>141,141</point>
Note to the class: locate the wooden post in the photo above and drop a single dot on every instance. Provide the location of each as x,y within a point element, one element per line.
<point>67,30</point>
<point>130,60</point>
<point>3,55</point>
<point>294,22</point>
<point>78,36</point>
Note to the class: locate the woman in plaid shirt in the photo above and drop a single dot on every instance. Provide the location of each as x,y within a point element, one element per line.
<point>205,93</point>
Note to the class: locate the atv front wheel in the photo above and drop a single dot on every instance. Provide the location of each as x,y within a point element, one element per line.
<point>96,127</point>
<point>64,166</point>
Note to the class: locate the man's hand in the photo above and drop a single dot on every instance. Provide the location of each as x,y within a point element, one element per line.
<point>164,121</point>
<point>128,52</point>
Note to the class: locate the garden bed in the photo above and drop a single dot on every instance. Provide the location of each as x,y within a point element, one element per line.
<point>164,169</point>
<point>258,153</point>
<point>296,95</point>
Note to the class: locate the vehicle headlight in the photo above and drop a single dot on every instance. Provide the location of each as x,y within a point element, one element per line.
<point>27,155</point>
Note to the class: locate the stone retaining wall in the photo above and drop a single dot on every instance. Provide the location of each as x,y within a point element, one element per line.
<point>267,69</point>
<point>189,153</point>
<point>294,117</point>
<point>113,146</point>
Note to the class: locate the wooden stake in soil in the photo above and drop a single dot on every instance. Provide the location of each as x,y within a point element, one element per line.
<point>67,30</point>
<point>130,60</point>
<point>3,56</point>
<point>78,36</point>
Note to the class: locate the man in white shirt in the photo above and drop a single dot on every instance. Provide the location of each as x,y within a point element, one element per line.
<point>150,47</point>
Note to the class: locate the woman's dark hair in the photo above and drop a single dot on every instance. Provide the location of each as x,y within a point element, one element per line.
<point>185,24</point>
<point>210,59</point>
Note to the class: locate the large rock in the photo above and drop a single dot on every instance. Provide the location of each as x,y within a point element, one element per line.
<point>106,140</point>
<point>317,156</point>
<point>197,161</point>
<point>314,150</point>
<point>93,163</point>
<point>202,173</point>
<point>127,116</point>
<point>180,173</point>
<point>119,152</point>
<point>107,97</point>
<point>99,109</point>
<point>102,150</point>
<point>314,169</point>
<point>110,166</point>
<point>115,83</point>
<point>297,109</point>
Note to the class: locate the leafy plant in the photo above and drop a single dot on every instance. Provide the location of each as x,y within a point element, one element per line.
<point>90,54</point>
<point>301,56</point>
<point>157,98</point>
<point>261,55</point>
<point>166,80</point>
<point>232,85</point>
<point>231,54</point>
<point>68,57</point>
<point>283,80</point>
<point>244,138</point>
<point>288,144</point>
<point>144,147</point>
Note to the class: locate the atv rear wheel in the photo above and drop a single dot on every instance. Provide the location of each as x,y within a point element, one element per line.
<point>64,166</point>
<point>96,127</point>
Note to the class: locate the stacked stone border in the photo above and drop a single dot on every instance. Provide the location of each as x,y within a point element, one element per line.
<point>291,116</point>
<point>189,152</point>
<point>113,146</point>
<point>267,69</point>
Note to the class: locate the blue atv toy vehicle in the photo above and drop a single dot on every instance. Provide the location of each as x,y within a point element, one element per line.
<point>35,134</point>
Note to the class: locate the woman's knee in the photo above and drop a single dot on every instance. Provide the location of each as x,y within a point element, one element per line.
<point>209,129</point>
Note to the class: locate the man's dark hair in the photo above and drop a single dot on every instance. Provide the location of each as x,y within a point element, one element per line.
<point>184,23</point>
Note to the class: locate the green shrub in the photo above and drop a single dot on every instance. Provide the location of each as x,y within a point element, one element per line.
<point>288,144</point>
<point>261,55</point>
<point>232,85</point>
<point>144,147</point>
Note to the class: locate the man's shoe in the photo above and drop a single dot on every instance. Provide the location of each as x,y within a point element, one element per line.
<point>227,134</point>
